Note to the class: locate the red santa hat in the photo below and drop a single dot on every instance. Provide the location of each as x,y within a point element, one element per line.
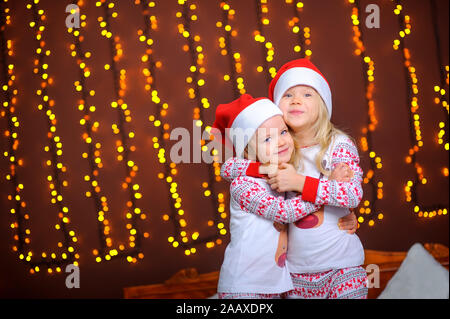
<point>300,72</point>
<point>238,120</point>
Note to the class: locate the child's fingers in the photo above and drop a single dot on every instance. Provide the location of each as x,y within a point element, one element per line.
<point>346,225</point>
<point>272,174</point>
<point>350,218</point>
<point>285,166</point>
<point>280,188</point>
<point>347,221</point>
<point>353,229</point>
<point>278,226</point>
<point>341,165</point>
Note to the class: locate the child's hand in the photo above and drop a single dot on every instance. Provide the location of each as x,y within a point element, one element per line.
<point>280,227</point>
<point>348,223</point>
<point>342,173</point>
<point>268,168</point>
<point>285,179</point>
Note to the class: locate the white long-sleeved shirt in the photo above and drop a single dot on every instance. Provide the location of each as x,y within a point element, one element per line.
<point>324,246</point>
<point>250,263</point>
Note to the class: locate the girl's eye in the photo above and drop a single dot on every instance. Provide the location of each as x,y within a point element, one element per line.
<point>267,139</point>
<point>288,95</point>
<point>308,94</point>
<point>284,132</point>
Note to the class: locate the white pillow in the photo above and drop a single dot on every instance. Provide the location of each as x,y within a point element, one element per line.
<point>420,276</point>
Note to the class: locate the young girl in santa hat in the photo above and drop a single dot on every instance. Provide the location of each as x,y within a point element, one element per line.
<point>254,262</point>
<point>324,261</point>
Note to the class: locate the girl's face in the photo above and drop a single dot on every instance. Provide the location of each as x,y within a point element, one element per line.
<point>300,106</point>
<point>272,142</point>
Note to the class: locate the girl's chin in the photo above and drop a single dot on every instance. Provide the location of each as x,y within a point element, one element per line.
<point>295,122</point>
<point>282,159</point>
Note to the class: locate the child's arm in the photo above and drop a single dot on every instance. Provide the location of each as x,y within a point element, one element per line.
<point>256,199</point>
<point>235,167</point>
<point>332,192</point>
<point>286,178</point>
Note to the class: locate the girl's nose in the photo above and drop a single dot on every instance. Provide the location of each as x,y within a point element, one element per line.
<point>296,99</point>
<point>281,141</point>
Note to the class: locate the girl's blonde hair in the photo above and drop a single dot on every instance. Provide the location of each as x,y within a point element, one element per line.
<point>325,132</point>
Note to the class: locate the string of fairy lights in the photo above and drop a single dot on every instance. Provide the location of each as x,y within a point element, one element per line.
<point>267,47</point>
<point>177,215</point>
<point>93,153</point>
<point>65,254</point>
<point>11,133</point>
<point>187,17</point>
<point>442,89</point>
<point>304,38</point>
<point>124,148</point>
<point>225,44</point>
<point>412,91</point>
<point>157,119</point>
<point>368,209</point>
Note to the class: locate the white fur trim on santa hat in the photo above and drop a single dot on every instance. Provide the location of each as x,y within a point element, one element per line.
<point>248,120</point>
<point>303,76</point>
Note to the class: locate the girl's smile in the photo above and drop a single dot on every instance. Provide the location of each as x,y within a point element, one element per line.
<point>296,112</point>
<point>283,151</point>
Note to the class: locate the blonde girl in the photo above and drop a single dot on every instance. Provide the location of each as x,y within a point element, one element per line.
<point>324,261</point>
<point>254,262</point>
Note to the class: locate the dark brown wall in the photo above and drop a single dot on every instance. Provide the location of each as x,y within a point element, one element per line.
<point>332,50</point>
